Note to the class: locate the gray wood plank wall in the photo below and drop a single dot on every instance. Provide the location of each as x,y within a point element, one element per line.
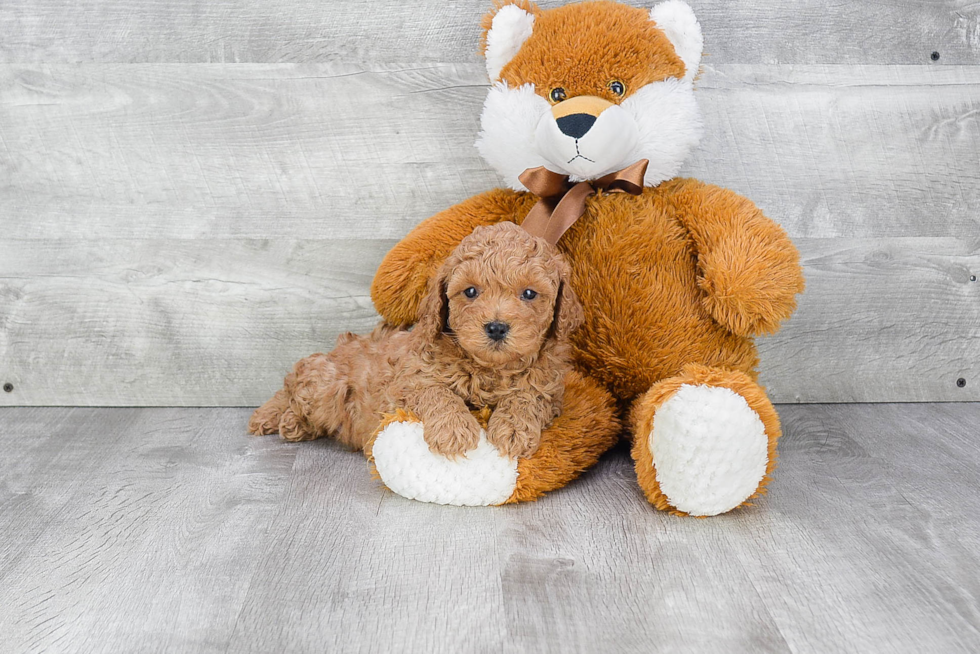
<point>176,229</point>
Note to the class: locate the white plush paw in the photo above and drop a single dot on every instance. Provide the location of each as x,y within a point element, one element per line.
<point>710,449</point>
<point>408,467</point>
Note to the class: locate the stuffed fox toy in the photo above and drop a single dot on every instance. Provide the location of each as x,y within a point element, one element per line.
<point>590,115</point>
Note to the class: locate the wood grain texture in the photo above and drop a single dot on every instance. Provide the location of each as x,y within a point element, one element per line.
<point>894,319</point>
<point>597,570</point>
<point>909,470</point>
<point>185,322</point>
<point>185,31</point>
<point>219,322</point>
<point>351,151</point>
<point>180,234</point>
<point>171,530</point>
<point>128,530</point>
<point>351,567</point>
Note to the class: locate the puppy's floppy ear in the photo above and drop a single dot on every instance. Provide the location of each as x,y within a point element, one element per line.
<point>434,309</point>
<point>568,310</point>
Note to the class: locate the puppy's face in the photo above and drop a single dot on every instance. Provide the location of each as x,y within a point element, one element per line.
<point>500,296</point>
<point>501,307</point>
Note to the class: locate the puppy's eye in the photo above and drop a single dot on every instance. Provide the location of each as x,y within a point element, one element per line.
<point>558,94</point>
<point>471,292</point>
<point>528,294</point>
<point>617,87</point>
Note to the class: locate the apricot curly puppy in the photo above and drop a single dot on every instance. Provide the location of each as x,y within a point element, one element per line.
<point>493,332</point>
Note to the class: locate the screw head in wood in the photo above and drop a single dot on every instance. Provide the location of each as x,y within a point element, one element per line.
<point>934,56</point>
<point>961,382</point>
<point>8,388</point>
<point>973,278</point>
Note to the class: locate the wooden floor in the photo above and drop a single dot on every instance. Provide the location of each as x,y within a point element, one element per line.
<point>170,530</point>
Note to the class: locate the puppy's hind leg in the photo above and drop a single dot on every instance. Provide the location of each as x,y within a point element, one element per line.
<point>316,392</point>
<point>335,394</point>
<point>293,428</point>
<point>310,404</point>
<point>266,418</point>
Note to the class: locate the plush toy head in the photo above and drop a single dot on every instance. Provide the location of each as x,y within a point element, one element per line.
<point>499,296</point>
<point>590,88</point>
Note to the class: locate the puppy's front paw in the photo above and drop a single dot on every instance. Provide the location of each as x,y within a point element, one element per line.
<point>452,435</point>
<point>513,438</point>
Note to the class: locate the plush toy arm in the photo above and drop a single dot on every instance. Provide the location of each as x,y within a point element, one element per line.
<point>750,270</point>
<point>400,282</point>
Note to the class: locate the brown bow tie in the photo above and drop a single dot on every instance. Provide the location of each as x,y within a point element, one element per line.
<point>560,204</point>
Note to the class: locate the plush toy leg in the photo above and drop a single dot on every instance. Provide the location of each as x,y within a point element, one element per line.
<point>587,427</point>
<point>704,442</point>
<point>573,443</point>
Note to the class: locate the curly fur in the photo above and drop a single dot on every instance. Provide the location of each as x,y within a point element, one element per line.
<point>448,365</point>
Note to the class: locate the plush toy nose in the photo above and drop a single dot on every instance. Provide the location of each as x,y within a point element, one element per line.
<point>496,330</point>
<point>576,125</point>
<point>576,116</point>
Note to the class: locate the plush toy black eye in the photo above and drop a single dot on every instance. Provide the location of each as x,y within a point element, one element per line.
<point>617,87</point>
<point>558,94</point>
<point>528,294</point>
<point>471,292</point>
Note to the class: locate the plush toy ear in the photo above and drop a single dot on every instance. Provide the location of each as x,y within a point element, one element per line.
<point>678,22</point>
<point>506,28</point>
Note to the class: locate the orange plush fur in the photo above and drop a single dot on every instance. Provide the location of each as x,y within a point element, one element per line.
<point>499,280</point>
<point>721,272</point>
<point>675,282</point>
<point>616,42</point>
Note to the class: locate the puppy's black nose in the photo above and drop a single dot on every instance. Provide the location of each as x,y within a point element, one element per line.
<point>575,125</point>
<point>497,330</point>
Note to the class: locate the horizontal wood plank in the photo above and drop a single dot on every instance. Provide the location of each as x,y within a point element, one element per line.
<point>178,322</point>
<point>181,234</point>
<point>738,31</point>
<point>881,320</point>
<point>342,151</point>
<point>219,322</point>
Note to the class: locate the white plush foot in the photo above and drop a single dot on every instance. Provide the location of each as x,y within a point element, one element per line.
<point>408,467</point>
<point>710,449</point>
